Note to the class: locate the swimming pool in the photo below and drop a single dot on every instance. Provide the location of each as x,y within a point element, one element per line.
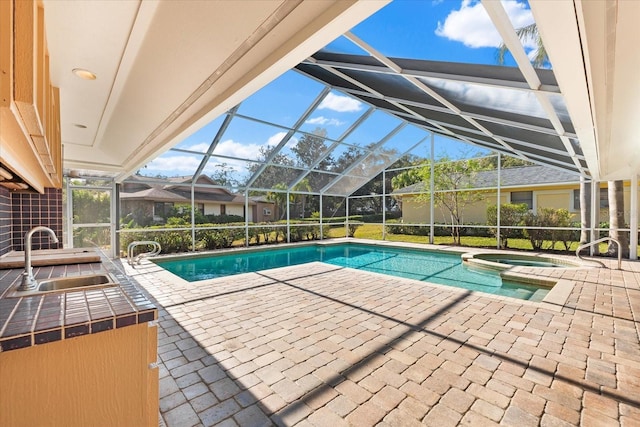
<point>428,266</point>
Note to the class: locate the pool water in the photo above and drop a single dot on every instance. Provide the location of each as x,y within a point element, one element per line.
<point>528,263</point>
<point>428,266</point>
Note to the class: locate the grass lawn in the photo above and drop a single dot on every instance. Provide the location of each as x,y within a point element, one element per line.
<point>374,232</point>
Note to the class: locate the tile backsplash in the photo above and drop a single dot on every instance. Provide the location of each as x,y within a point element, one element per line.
<point>29,210</point>
<point>5,221</point>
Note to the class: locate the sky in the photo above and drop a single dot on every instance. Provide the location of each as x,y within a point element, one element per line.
<point>438,30</point>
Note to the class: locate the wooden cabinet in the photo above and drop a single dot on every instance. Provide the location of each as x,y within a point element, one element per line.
<point>102,379</point>
<point>30,142</point>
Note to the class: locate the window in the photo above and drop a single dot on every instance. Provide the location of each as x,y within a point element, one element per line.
<point>604,199</point>
<point>223,209</point>
<point>518,197</point>
<point>200,208</point>
<point>266,211</point>
<point>162,209</point>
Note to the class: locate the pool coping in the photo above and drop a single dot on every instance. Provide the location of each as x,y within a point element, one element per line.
<point>555,299</point>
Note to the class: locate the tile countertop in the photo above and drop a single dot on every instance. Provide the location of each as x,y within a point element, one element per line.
<point>35,320</point>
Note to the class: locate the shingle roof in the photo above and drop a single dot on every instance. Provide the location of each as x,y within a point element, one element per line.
<point>512,177</point>
<point>156,194</point>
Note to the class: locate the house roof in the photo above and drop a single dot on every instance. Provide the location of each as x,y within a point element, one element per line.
<point>155,194</point>
<point>178,194</point>
<point>160,191</point>
<point>513,177</point>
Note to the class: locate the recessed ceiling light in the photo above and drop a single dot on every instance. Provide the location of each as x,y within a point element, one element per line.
<point>78,125</point>
<point>84,74</point>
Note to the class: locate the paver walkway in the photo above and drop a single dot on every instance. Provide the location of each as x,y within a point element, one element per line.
<point>318,345</point>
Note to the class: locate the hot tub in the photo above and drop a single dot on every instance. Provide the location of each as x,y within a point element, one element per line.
<point>500,261</point>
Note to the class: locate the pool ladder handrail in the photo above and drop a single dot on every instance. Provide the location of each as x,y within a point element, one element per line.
<point>595,242</point>
<point>136,260</point>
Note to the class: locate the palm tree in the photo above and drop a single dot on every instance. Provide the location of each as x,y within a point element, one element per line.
<point>529,32</point>
<point>279,198</point>
<point>303,185</point>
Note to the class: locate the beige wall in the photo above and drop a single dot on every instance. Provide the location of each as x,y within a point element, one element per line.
<point>556,199</point>
<point>212,209</point>
<point>237,210</point>
<point>416,211</point>
<point>259,209</point>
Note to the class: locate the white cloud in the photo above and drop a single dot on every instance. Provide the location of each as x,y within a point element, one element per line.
<point>321,120</point>
<point>277,138</point>
<point>237,167</point>
<point>173,165</point>
<point>201,147</point>
<point>341,104</point>
<point>235,149</point>
<point>472,26</point>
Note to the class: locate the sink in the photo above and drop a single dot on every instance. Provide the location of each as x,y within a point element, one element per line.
<point>69,283</point>
<point>66,284</point>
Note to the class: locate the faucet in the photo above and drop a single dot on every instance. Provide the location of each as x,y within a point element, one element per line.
<point>29,282</point>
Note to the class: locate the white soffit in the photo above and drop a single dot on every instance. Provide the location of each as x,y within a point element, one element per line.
<point>558,28</point>
<point>595,59</point>
<point>166,68</point>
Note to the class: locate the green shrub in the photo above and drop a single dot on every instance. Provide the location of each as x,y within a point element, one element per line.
<point>352,228</point>
<point>549,218</point>
<point>510,215</point>
<point>218,238</point>
<point>562,218</point>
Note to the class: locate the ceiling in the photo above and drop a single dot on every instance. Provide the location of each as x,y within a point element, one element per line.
<point>167,68</point>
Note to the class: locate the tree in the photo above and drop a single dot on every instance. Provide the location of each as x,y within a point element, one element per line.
<point>310,147</point>
<point>223,175</point>
<point>347,158</point>
<point>511,215</point>
<point>529,32</point>
<point>279,198</point>
<point>453,185</point>
<point>506,162</point>
<point>273,175</point>
<point>374,187</point>
<point>406,178</point>
<point>303,185</point>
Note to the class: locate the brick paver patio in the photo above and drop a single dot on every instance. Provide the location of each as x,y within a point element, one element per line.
<point>318,345</point>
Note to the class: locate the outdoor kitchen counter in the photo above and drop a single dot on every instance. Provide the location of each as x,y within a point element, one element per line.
<point>40,319</point>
